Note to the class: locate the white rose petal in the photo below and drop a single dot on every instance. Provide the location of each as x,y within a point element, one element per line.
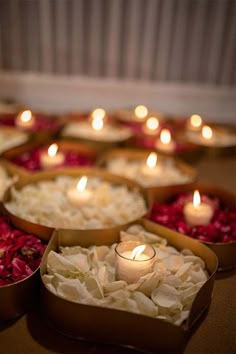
<point>165,296</point>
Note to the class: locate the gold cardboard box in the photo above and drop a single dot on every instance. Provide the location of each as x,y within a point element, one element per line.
<point>45,232</point>
<point>101,324</point>
<point>65,145</point>
<point>226,252</point>
<point>133,154</point>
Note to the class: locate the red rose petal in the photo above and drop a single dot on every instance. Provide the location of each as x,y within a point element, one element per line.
<point>20,253</point>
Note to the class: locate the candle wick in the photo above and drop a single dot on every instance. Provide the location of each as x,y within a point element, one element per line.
<point>134,257</point>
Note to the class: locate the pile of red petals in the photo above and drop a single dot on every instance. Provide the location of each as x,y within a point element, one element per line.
<point>149,142</point>
<point>20,253</point>
<point>42,122</point>
<point>222,227</point>
<point>30,160</point>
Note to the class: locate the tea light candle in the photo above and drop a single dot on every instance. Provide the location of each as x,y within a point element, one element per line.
<point>98,113</point>
<point>97,120</point>
<point>133,260</point>
<point>197,213</point>
<point>207,134</point>
<point>194,122</point>
<point>79,195</point>
<point>140,113</point>
<point>165,143</point>
<point>52,157</point>
<point>25,120</point>
<point>150,168</point>
<point>151,127</point>
<point>97,124</point>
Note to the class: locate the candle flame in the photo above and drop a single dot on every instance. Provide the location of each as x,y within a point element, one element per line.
<point>97,123</point>
<point>81,185</point>
<point>98,113</point>
<point>196,199</point>
<point>207,132</point>
<point>26,116</point>
<point>137,251</point>
<point>165,136</point>
<point>152,160</point>
<point>196,120</point>
<point>52,150</point>
<point>152,123</point>
<point>141,112</point>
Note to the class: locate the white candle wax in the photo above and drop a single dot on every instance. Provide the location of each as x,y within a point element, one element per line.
<point>129,267</point>
<point>165,143</point>
<point>79,195</point>
<point>52,157</point>
<point>207,136</point>
<point>97,120</point>
<point>150,168</point>
<point>25,120</point>
<point>197,213</point>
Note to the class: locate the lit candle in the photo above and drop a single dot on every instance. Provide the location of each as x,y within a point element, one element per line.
<point>165,143</point>
<point>140,113</point>
<point>25,120</point>
<point>207,133</point>
<point>133,260</point>
<point>150,168</point>
<point>52,157</point>
<point>197,213</point>
<point>98,116</point>
<point>97,124</point>
<point>98,113</point>
<point>79,195</point>
<point>151,127</point>
<point>194,122</point>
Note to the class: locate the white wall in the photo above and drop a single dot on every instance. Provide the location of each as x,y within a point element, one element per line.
<point>63,94</point>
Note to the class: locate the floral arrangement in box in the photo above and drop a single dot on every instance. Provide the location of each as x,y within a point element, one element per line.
<point>220,228</point>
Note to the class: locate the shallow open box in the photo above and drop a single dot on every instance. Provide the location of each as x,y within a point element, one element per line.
<point>226,252</point>
<point>214,151</point>
<point>11,131</point>
<point>121,327</point>
<point>63,145</point>
<point>186,151</point>
<point>100,145</point>
<point>18,297</point>
<point>142,155</point>
<point>45,232</point>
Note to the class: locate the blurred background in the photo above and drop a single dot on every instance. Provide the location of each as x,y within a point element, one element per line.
<point>175,55</point>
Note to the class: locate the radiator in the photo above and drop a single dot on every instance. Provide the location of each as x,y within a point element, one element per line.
<point>186,41</point>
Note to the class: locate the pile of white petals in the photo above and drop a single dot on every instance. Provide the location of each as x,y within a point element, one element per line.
<point>168,172</point>
<point>88,276</point>
<point>46,203</point>
<point>219,139</point>
<point>10,138</point>
<point>5,181</point>
<point>109,133</point>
